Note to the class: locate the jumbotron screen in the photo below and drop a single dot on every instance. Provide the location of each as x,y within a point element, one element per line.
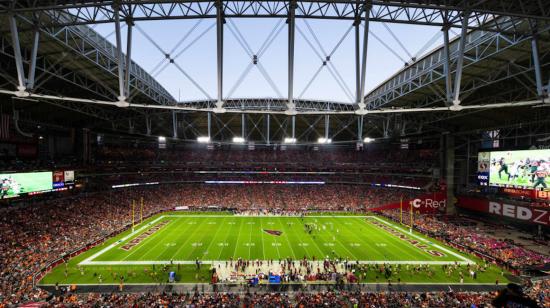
<point>526,169</point>
<point>17,184</point>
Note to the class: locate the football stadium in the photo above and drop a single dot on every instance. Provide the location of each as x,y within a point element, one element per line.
<point>217,153</point>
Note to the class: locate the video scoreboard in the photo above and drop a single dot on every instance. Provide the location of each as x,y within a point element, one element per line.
<point>20,184</point>
<point>521,172</point>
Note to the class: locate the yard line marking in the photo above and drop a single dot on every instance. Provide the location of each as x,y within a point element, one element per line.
<point>139,247</point>
<point>214,237</point>
<point>175,230</point>
<point>262,237</point>
<point>288,241</point>
<point>104,250</point>
<point>364,239</point>
<point>323,254</point>
<point>395,243</point>
<point>425,240</point>
<point>250,239</point>
<point>151,248</point>
<point>187,262</point>
<point>237,241</point>
<point>226,240</point>
<point>351,255</point>
<point>189,237</point>
<point>144,236</point>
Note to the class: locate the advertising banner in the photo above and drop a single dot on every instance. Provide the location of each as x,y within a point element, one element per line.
<point>428,203</point>
<point>502,209</point>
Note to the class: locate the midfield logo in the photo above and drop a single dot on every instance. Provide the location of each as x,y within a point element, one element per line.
<point>273,232</point>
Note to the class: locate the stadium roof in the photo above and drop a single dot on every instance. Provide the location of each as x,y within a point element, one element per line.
<point>77,69</point>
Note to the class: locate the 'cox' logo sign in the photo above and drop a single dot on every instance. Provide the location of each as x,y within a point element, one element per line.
<point>428,203</point>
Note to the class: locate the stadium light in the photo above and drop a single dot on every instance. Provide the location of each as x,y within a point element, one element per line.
<point>290,140</point>
<point>162,139</point>
<point>368,140</point>
<point>324,140</point>
<point>238,140</point>
<point>203,139</point>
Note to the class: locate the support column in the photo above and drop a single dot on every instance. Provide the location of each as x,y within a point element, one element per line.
<point>447,67</point>
<point>450,172</point>
<point>148,125</point>
<point>360,128</point>
<point>357,60</point>
<point>18,58</point>
<point>121,87</point>
<point>32,66</point>
<point>128,59</point>
<point>536,64</point>
<point>291,31</point>
<point>219,52</point>
<point>467,180</point>
<point>243,126</point>
<point>293,127</point>
<point>327,125</point>
<point>267,137</point>
<point>460,59</point>
<point>174,124</point>
<point>209,126</point>
<point>364,58</point>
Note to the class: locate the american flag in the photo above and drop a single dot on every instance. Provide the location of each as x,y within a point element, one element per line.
<point>4,127</point>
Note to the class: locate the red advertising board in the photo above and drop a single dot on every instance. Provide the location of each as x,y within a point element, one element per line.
<point>428,203</point>
<point>58,177</point>
<point>527,193</point>
<point>502,209</point>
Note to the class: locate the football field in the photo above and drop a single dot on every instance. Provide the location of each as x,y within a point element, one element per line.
<point>175,241</point>
<point>185,238</point>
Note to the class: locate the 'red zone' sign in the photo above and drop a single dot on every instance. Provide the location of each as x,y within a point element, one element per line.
<point>523,213</point>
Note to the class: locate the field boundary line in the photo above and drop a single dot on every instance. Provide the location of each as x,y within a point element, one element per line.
<point>424,240</point>
<point>190,262</point>
<point>274,216</point>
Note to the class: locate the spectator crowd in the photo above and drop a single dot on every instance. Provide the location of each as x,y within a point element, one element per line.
<point>532,295</point>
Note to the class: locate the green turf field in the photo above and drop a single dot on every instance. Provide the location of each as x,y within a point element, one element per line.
<point>176,240</point>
